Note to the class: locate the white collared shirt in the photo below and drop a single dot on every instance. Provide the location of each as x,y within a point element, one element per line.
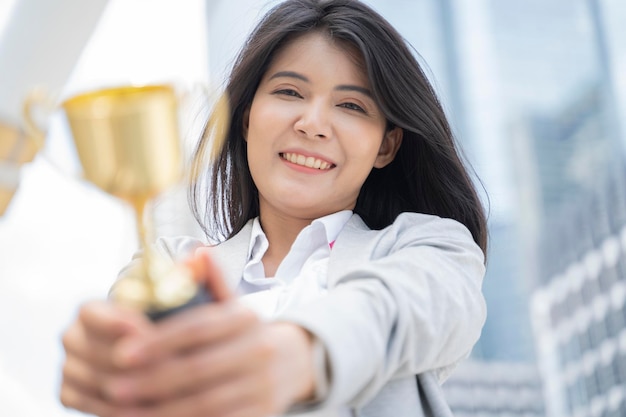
<point>300,277</point>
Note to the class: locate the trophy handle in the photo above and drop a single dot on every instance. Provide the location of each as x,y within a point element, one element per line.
<point>38,98</point>
<point>35,98</point>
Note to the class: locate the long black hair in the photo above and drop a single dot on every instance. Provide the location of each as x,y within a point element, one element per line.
<point>427,174</point>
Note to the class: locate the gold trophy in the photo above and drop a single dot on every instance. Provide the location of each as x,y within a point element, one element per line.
<point>127,140</point>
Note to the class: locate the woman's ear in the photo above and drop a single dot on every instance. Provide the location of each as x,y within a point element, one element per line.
<point>389,147</point>
<point>246,123</point>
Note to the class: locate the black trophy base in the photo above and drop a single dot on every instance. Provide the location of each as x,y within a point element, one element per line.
<point>202,296</point>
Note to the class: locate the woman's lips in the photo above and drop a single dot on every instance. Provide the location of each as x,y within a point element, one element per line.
<point>307,161</point>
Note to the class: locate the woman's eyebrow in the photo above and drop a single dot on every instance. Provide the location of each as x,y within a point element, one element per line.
<point>343,87</point>
<point>356,88</point>
<point>290,74</point>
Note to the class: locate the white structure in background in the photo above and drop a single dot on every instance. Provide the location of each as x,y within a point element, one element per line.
<point>62,241</point>
<point>35,50</point>
<point>38,48</point>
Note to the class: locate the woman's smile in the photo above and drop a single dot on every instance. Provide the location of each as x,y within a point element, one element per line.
<point>307,161</point>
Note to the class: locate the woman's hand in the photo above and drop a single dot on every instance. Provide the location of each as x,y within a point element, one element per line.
<point>213,360</point>
<point>89,343</point>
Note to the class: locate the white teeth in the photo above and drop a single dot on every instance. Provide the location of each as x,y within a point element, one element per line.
<point>309,162</point>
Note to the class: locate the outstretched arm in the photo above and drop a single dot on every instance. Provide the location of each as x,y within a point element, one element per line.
<point>403,301</point>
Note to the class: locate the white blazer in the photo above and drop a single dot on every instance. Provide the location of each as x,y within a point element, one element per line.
<point>401,302</point>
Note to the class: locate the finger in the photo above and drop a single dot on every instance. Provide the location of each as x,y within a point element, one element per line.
<point>234,396</point>
<point>93,350</point>
<point>108,321</point>
<point>208,272</point>
<point>246,410</point>
<point>187,330</point>
<point>78,373</point>
<point>185,373</point>
<point>72,396</point>
<point>91,337</point>
<point>231,397</point>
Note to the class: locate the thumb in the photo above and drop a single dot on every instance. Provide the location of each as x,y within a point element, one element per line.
<point>207,272</point>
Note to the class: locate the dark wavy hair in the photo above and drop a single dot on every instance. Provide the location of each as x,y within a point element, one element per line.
<point>427,174</point>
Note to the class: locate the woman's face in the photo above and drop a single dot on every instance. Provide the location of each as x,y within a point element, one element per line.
<point>314,132</point>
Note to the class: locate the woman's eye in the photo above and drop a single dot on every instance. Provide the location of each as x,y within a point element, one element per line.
<point>288,92</point>
<point>352,106</point>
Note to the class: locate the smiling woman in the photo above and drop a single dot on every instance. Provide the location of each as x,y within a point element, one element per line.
<point>354,241</point>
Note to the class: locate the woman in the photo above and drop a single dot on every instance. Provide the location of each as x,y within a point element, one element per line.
<point>355,241</point>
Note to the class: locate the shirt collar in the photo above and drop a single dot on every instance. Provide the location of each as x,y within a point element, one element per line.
<point>258,241</point>
<point>332,225</point>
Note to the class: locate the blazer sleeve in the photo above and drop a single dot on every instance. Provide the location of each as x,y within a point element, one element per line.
<point>402,301</point>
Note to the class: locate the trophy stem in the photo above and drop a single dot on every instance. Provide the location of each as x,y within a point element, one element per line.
<point>182,291</point>
<point>144,231</point>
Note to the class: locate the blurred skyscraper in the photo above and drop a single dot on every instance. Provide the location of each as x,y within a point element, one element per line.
<point>579,311</point>
<point>579,195</point>
<point>579,304</point>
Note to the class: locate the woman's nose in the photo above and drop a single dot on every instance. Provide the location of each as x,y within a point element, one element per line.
<point>314,121</point>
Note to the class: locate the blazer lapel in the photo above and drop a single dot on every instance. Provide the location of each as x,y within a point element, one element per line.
<point>347,248</point>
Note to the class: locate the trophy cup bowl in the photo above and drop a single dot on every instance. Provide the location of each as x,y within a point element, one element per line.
<point>127,141</point>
